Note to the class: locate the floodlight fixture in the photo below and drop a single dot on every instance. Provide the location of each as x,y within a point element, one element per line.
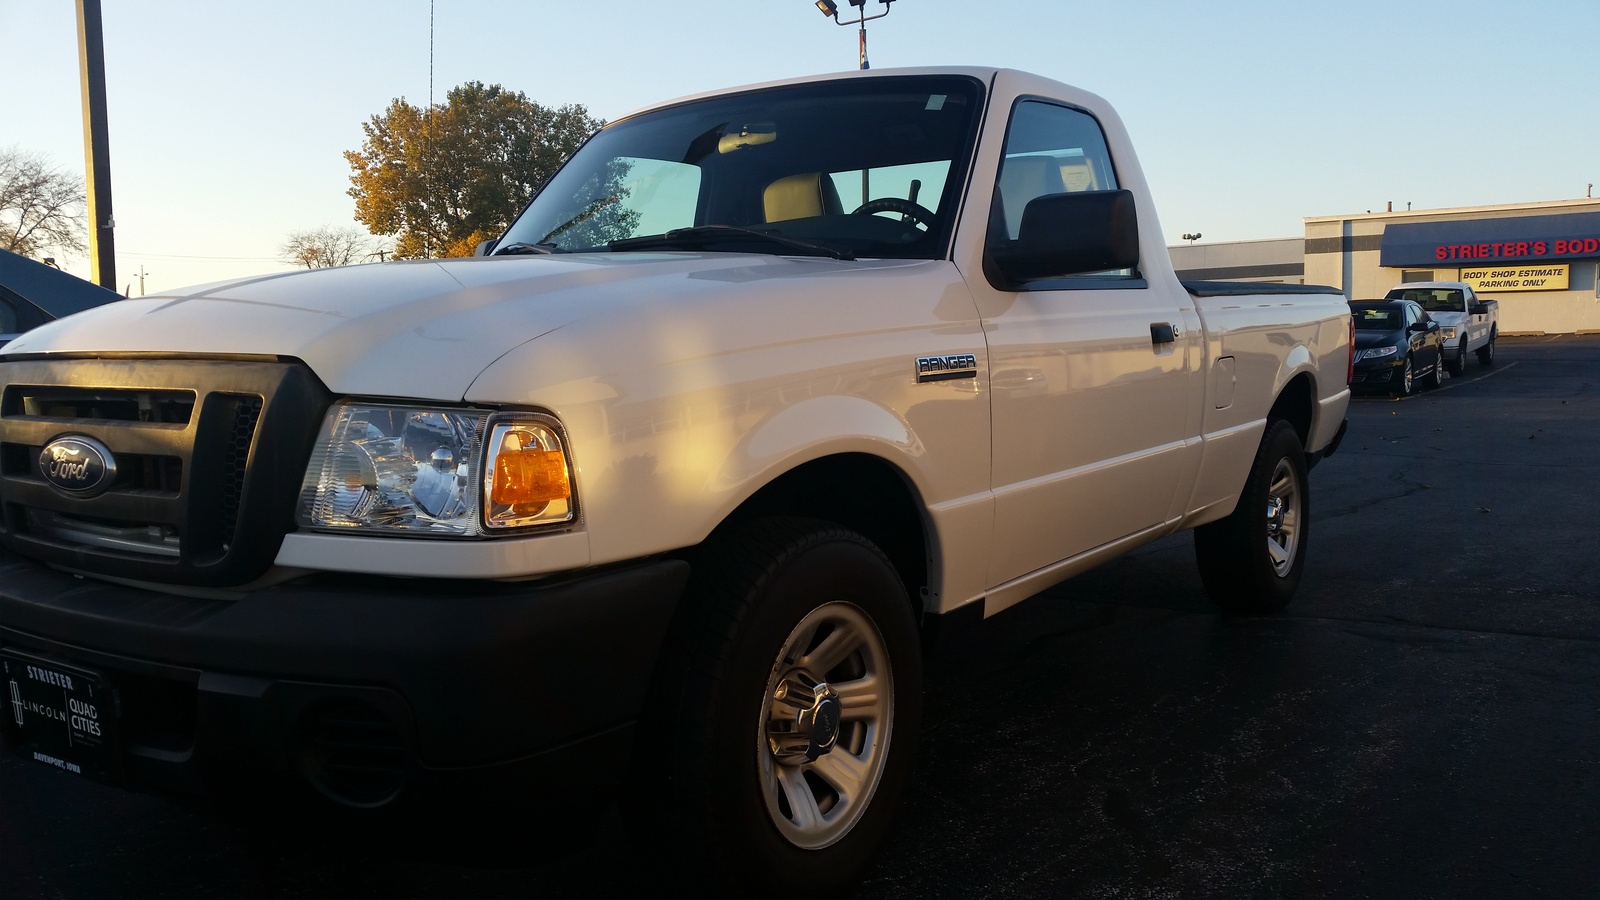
<point>831,9</point>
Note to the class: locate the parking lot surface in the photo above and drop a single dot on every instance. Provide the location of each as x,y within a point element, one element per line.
<point>1423,721</point>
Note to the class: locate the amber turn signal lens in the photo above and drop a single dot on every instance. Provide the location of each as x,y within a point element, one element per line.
<point>526,477</point>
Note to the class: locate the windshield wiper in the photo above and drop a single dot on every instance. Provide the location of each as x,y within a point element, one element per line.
<point>513,249</point>
<point>706,235</point>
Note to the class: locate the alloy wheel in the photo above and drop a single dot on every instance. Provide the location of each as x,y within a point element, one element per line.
<point>1283,517</point>
<point>825,725</point>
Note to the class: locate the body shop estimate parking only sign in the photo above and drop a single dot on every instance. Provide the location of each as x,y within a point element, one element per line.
<point>1517,278</point>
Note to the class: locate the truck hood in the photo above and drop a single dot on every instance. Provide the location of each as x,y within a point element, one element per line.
<point>422,329</point>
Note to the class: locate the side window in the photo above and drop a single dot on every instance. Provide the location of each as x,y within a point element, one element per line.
<point>8,317</point>
<point>658,195</point>
<point>1049,149</point>
<point>629,196</point>
<point>921,184</point>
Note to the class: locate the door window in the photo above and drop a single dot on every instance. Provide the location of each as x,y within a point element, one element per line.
<point>8,317</point>
<point>1050,149</point>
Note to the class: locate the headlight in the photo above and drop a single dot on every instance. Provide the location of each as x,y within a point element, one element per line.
<point>1448,332</point>
<point>1377,352</point>
<point>436,472</point>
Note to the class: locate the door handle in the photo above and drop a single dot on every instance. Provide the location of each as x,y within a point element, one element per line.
<point>1164,332</point>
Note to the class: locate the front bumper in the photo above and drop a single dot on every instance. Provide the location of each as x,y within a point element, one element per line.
<point>1377,374</point>
<point>366,689</point>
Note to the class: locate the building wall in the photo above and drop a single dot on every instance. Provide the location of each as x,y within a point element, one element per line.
<point>1280,261</point>
<point>1345,251</point>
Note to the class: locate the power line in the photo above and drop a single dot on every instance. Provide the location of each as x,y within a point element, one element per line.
<point>183,256</point>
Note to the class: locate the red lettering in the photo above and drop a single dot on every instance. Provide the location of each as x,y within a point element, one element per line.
<point>1592,245</point>
<point>1441,253</point>
<point>1483,251</point>
<point>1540,248</point>
<point>1561,248</point>
<point>1522,248</point>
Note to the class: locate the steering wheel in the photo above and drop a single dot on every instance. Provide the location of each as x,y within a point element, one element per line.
<point>919,215</point>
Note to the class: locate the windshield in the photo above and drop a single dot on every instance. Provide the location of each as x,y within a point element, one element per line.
<point>1432,299</point>
<point>1380,319</point>
<point>869,167</point>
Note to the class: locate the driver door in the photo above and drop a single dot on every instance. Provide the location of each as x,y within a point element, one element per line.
<point>1094,378</point>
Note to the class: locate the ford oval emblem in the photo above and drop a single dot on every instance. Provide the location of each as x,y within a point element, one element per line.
<point>78,466</point>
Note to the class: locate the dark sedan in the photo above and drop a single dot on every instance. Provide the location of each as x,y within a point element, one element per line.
<point>1398,345</point>
<point>32,293</point>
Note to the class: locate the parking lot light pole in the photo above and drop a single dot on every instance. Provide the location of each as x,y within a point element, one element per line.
<point>830,9</point>
<point>97,153</point>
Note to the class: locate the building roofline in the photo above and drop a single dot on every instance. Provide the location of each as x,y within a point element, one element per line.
<point>1294,237</point>
<point>1579,203</point>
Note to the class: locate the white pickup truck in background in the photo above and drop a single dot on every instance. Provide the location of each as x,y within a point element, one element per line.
<point>1470,324</point>
<point>660,497</point>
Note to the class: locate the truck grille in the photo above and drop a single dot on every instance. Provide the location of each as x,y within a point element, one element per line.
<point>208,456</point>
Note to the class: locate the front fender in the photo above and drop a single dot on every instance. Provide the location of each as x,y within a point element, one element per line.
<point>812,429</point>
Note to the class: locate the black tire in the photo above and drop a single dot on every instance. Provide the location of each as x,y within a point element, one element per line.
<point>1250,563</point>
<point>738,786</point>
<point>1458,365</point>
<point>1405,382</point>
<point>1486,352</point>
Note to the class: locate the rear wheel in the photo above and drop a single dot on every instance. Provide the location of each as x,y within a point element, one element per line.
<point>1251,561</point>
<point>791,719</point>
<point>1486,352</point>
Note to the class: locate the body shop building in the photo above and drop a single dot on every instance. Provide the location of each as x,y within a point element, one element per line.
<point>1540,260</point>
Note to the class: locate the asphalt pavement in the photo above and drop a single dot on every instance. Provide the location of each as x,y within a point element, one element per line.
<point>1423,721</point>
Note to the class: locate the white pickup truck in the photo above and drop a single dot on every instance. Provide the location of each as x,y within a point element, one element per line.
<point>661,496</point>
<point>1469,323</point>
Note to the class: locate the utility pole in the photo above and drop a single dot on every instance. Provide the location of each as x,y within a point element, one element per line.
<point>96,149</point>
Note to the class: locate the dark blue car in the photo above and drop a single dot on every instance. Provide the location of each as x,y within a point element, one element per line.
<point>32,293</point>
<point>1398,345</point>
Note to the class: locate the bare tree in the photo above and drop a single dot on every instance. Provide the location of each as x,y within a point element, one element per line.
<point>320,248</point>
<point>40,206</point>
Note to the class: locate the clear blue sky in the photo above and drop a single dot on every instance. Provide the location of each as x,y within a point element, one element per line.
<point>228,120</point>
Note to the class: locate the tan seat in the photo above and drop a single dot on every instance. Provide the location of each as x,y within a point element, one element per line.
<point>800,196</point>
<point>1022,179</point>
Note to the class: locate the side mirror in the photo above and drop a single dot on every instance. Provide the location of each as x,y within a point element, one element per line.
<point>1070,234</point>
<point>484,248</point>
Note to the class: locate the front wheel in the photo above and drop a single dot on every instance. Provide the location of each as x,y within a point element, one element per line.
<point>1405,379</point>
<point>1250,562</point>
<point>787,735</point>
<point>1458,365</point>
<point>1435,376</point>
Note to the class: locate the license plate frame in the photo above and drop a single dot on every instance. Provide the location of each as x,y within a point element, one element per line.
<point>62,714</point>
